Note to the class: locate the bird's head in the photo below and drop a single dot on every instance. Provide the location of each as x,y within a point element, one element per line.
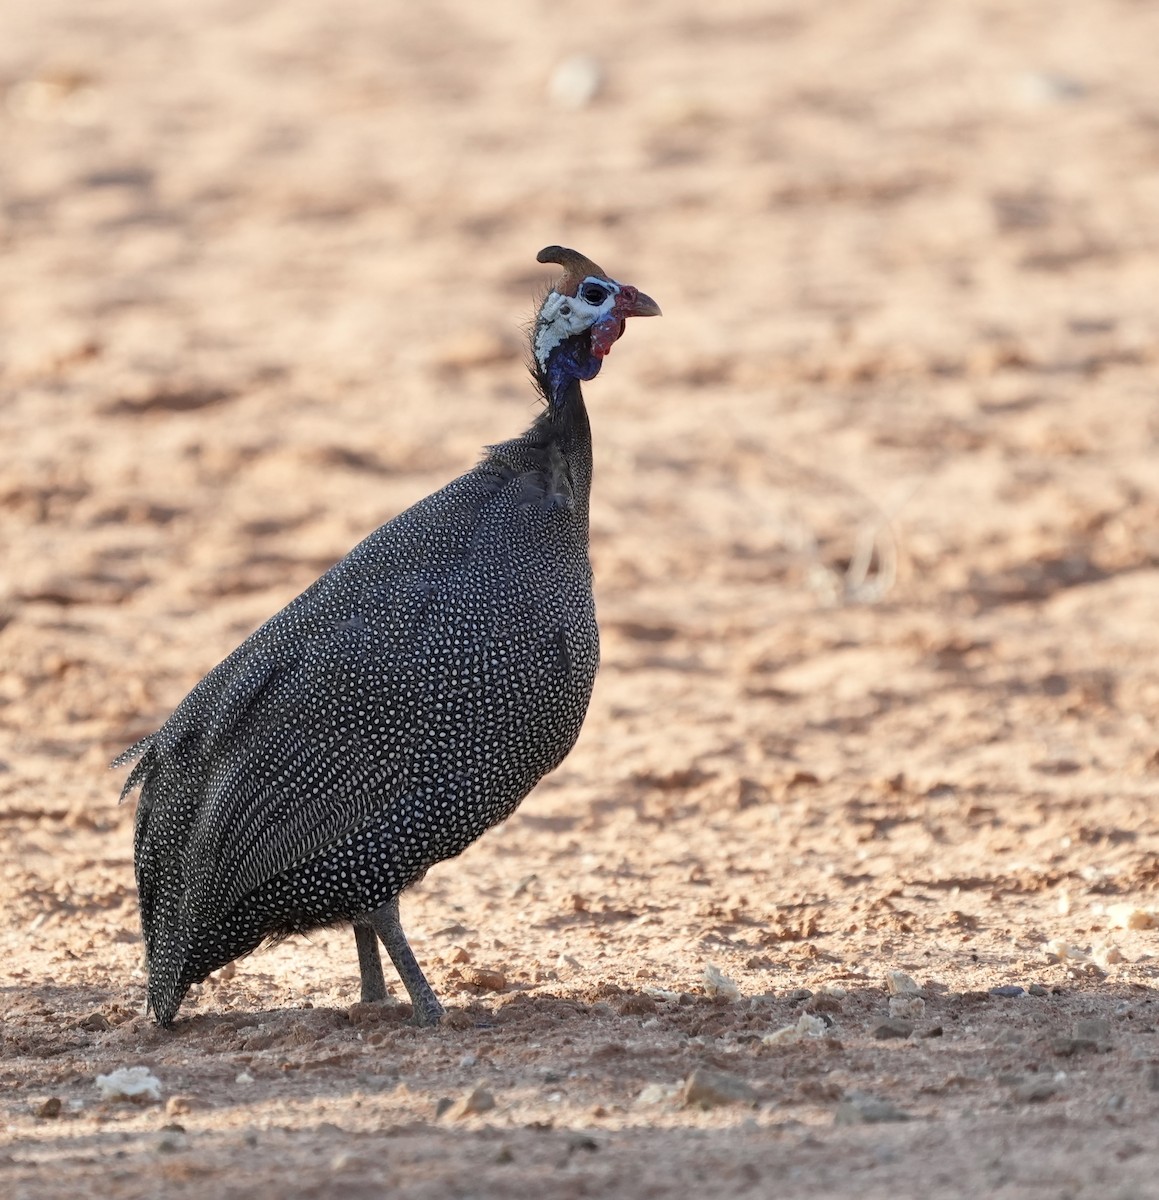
<point>580,319</point>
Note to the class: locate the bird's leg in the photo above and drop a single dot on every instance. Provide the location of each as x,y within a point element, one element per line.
<point>369,965</point>
<point>384,921</point>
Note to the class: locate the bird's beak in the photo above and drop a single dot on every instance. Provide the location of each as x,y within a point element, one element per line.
<point>633,303</point>
<point>629,303</point>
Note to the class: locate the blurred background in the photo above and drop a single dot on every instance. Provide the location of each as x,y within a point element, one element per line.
<point>875,530</point>
<point>876,499</point>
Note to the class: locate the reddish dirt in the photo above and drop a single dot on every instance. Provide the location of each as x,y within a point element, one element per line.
<point>875,539</point>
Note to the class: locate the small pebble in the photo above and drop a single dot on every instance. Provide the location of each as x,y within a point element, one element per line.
<point>717,983</point>
<point>907,1008</point>
<point>823,1002</point>
<point>486,980</point>
<point>576,81</point>
<point>1127,916</point>
<point>1106,955</point>
<point>1036,1090</point>
<point>867,1110</point>
<point>655,1093</point>
<point>636,1004</point>
<point>807,1026</point>
<point>893,1027</point>
<point>710,1089</point>
<point>898,983</point>
<point>1040,88</point>
<point>137,1084</point>
<point>1007,989</point>
<point>475,1102</point>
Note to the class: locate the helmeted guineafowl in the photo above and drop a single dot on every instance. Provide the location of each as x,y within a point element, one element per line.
<point>398,708</point>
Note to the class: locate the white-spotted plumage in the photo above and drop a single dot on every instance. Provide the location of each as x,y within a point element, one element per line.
<point>401,706</point>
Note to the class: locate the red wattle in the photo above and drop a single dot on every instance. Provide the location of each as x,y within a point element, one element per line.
<point>605,333</point>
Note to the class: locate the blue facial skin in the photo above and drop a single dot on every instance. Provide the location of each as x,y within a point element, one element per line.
<point>570,362</point>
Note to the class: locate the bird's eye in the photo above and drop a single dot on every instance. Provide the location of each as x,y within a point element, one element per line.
<point>594,294</point>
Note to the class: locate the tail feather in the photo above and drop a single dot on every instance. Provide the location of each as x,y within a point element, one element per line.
<point>160,877</point>
<point>140,751</point>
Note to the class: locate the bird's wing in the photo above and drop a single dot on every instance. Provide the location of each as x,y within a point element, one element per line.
<point>300,763</point>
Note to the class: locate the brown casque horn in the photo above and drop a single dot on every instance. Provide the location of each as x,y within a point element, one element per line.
<point>578,266</point>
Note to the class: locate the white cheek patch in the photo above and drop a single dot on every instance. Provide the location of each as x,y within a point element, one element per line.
<point>562,317</point>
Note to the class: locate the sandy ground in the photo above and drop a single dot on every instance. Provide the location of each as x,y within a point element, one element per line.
<point>876,538</point>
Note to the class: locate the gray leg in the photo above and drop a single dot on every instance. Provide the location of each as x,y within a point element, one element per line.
<point>369,965</point>
<point>384,921</point>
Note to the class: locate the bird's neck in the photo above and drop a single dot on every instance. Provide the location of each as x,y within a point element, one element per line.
<point>564,424</point>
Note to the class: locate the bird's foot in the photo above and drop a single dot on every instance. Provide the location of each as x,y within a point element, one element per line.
<point>385,923</point>
<point>427,1009</point>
